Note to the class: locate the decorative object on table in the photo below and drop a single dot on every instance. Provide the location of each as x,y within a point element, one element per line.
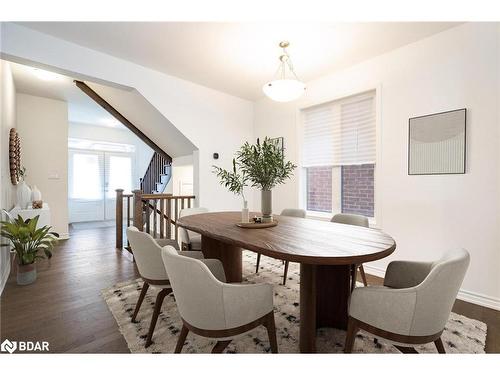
<point>264,166</point>
<point>23,190</point>
<point>286,87</point>
<point>235,182</point>
<point>437,143</point>
<point>27,241</point>
<point>257,219</point>
<point>37,205</point>
<point>14,155</point>
<point>257,225</point>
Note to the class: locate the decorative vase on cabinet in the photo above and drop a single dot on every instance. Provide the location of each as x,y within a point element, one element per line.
<point>36,195</point>
<point>23,194</point>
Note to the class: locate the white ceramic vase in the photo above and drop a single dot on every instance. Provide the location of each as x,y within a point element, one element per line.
<point>267,206</point>
<point>23,195</point>
<point>245,213</point>
<point>36,195</point>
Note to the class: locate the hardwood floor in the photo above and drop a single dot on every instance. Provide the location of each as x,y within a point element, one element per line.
<point>65,307</point>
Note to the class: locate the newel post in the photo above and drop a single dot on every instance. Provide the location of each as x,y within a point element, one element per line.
<point>119,218</point>
<point>138,209</point>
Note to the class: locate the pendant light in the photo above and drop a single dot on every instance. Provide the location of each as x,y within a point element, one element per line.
<point>287,86</point>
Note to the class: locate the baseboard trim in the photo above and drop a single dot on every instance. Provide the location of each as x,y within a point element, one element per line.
<point>463,295</point>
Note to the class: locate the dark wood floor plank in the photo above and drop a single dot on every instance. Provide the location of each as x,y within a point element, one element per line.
<point>65,306</point>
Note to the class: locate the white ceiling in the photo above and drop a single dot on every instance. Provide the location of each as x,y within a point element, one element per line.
<point>238,58</point>
<point>81,108</point>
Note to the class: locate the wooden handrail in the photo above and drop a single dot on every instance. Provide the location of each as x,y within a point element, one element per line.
<point>147,216</point>
<point>117,115</point>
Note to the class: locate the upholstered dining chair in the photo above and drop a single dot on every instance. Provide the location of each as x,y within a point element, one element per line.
<point>209,307</point>
<point>414,304</point>
<point>147,255</point>
<point>294,212</point>
<point>360,221</point>
<point>190,240</point>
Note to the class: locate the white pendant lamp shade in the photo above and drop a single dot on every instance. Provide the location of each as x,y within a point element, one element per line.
<point>284,88</point>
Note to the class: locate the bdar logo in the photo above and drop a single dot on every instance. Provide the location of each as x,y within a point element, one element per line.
<point>8,346</point>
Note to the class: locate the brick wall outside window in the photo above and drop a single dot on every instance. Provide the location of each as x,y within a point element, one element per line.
<point>358,189</point>
<point>319,189</point>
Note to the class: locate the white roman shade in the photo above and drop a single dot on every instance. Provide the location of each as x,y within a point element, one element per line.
<point>341,132</point>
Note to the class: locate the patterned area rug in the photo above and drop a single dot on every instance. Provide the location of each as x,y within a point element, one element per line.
<point>461,335</point>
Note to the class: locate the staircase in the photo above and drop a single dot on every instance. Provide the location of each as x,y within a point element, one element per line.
<point>159,169</point>
<point>157,175</point>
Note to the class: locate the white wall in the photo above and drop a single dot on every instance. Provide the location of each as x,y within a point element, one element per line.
<point>211,120</point>
<point>8,121</point>
<point>143,152</point>
<point>43,128</point>
<point>425,214</point>
<point>182,173</point>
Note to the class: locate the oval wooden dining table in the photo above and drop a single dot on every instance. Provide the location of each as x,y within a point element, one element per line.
<point>327,253</point>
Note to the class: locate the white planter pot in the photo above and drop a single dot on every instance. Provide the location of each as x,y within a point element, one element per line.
<point>23,195</point>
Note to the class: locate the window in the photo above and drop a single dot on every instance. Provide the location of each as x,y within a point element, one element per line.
<point>339,155</point>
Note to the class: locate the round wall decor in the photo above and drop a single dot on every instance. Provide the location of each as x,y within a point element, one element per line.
<point>14,155</point>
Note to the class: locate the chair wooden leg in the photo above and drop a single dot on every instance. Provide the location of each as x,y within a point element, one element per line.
<point>144,290</point>
<point>363,275</point>
<point>181,339</point>
<point>271,332</point>
<point>220,346</point>
<point>353,277</point>
<point>286,272</point>
<point>258,263</point>
<point>156,312</point>
<point>352,329</point>
<point>406,349</point>
<point>440,346</point>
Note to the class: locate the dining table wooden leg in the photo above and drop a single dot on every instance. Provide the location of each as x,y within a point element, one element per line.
<point>307,337</point>
<point>324,296</point>
<point>332,296</point>
<point>229,255</point>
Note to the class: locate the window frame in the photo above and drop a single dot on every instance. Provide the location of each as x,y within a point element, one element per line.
<point>301,170</point>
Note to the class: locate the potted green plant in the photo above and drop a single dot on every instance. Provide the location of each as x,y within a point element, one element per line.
<point>235,182</point>
<point>264,166</point>
<point>27,241</point>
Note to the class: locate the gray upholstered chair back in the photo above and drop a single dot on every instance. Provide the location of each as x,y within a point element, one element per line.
<point>185,234</point>
<point>351,219</point>
<point>294,212</point>
<point>198,293</point>
<point>438,291</point>
<point>147,254</point>
<point>206,302</point>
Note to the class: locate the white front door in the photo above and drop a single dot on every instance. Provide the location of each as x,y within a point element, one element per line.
<point>93,178</point>
<point>118,175</point>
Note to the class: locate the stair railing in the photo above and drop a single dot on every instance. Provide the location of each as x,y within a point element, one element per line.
<point>155,170</point>
<point>156,214</point>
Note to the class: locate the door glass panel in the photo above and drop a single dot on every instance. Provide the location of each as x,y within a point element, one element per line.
<point>119,175</point>
<point>86,177</point>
